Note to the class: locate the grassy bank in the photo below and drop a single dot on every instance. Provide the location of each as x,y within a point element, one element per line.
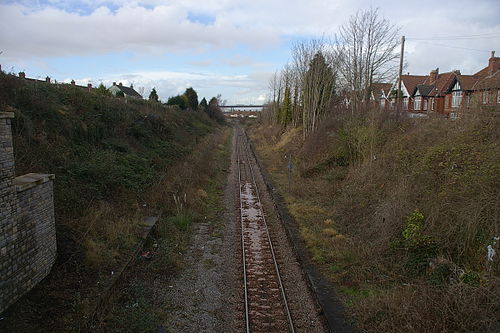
<point>112,158</point>
<point>399,214</point>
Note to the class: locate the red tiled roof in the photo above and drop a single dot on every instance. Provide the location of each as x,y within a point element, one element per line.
<point>493,65</point>
<point>482,73</point>
<point>411,81</point>
<point>466,81</point>
<point>442,84</point>
<point>488,82</point>
<point>379,88</point>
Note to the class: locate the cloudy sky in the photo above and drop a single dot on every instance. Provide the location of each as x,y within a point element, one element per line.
<point>229,47</point>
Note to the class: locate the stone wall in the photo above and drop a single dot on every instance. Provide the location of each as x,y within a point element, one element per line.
<point>27,225</point>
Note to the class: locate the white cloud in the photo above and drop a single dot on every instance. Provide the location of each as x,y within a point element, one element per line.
<point>146,27</point>
<point>55,32</point>
<point>244,88</point>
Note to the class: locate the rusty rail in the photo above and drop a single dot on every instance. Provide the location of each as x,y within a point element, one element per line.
<point>266,306</point>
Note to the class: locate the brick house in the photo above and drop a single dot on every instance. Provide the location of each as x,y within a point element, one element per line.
<point>22,76</point>
<point>409,85</point>
<point>128,92</point>
<point>446,93</point>
<point>486,88</point>
<point>380,94</point>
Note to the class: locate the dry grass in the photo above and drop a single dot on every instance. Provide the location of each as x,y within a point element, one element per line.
<point>110,235</point>
<point>203,202</point>
<point>365,175</point>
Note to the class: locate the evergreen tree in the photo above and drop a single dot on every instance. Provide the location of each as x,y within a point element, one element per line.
<point>192,98</point>
<point>213,110</point>
<point>102,90</point>
<point>153,96</point>
<point>285,112</point>
<point>179,100</point>
<point>120,94</point>
<point>203,104</point>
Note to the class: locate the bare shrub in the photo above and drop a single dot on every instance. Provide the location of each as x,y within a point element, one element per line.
<point>447,170</point>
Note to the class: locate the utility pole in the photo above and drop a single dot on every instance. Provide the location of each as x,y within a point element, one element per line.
<point>400,71</point>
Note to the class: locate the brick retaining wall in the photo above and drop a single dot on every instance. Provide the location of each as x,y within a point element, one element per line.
<point>27,224</point>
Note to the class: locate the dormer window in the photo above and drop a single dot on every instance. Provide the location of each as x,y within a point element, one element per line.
<point>456,94</point>
<point>456,99</point>
<point>417,103</point>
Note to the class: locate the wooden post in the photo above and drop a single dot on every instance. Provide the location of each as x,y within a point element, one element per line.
<point>290,166</point>
<point>400,72</point>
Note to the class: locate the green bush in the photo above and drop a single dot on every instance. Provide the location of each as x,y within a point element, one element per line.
<point>420,248</point>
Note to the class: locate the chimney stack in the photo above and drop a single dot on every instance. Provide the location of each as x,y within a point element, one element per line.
<point>22,75</point>
<point>89,86</point>
<point>114,83</point>
<point>72,82</point>
<point>120,84</point>
<point>47,79</point>
<point>494,64</point>
<point>433,76</point>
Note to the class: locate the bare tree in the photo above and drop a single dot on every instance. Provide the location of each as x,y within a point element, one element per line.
<point>270,112</point>
<point>366,47</point>
<point>315,75</point>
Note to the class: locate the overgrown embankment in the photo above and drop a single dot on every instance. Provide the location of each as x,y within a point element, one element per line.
<point>399,214</point>
<point>113,159</point>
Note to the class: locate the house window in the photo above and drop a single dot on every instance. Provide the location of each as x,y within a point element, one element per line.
<point>432,104</point>
<point>417,103</point>
<point>485,97</point>
<point>382,103</point>
<point>456,99</point>
<point>405,103</point>
<point>498,96</point>
<point>425,105</point>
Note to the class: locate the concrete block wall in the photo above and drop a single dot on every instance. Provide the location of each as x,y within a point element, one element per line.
<point>27,224</point>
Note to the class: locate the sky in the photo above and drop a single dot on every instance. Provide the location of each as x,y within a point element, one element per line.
<point>227,47</point>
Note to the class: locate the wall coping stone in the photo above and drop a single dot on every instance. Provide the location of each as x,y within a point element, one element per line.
<point>6,115</point>
<point>30,180</point>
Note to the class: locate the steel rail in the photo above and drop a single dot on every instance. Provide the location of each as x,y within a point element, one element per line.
<point>242,237</point>
<point>278,274</point>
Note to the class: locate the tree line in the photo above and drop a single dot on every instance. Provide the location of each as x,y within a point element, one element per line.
<point>189,101</point>
<point>325,74</point>
<point>186,101</point>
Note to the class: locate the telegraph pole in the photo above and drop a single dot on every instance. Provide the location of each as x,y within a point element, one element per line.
<point>401,56</point>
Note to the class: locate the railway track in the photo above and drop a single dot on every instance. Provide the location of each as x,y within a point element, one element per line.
<point>266,306</point>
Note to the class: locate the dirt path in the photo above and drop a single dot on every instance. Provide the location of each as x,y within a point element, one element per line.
<point>203,296</point>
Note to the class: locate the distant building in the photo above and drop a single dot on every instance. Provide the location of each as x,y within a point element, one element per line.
<point>22,76</point>
<point>129,92</point>
<point>446,92</point>
<point>380,93</point>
